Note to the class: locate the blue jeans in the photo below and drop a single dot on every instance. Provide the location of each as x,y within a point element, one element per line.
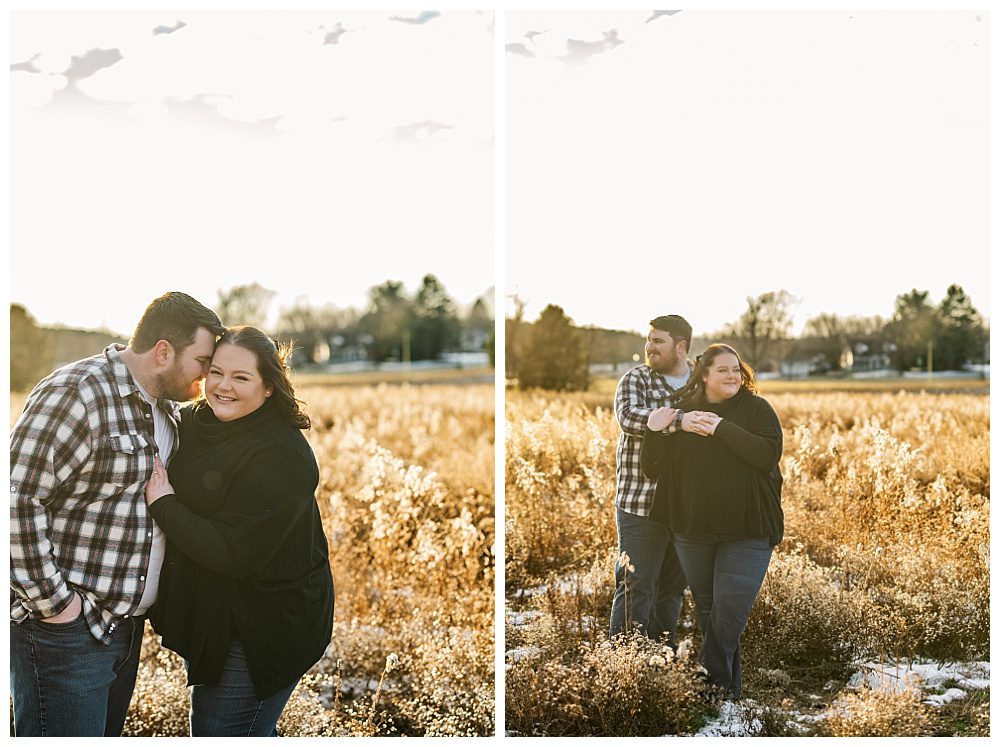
<point>652,595</point>
<point>66,683</point>
<point>231,708</point>
<point>725,576</point>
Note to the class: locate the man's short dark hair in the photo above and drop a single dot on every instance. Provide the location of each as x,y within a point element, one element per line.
<point>176,318</point>
<point>676,326</point>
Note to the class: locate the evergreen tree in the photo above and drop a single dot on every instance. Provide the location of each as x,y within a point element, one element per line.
<point>913,326</point>
<point>555,355</point>
<point>961,336</point>
<point>435,325</point>
<point>388,321</point>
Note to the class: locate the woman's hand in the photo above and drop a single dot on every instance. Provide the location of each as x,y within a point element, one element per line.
<point>159,484</point>
<point>700,422</point>
<point>711,422</point>
<point>660,418</point>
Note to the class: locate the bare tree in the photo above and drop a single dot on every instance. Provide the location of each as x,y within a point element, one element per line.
<point>512,327</point>
<point>767,321</point>
<point>245,304</point>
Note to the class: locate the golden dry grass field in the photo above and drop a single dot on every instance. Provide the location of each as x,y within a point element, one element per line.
<point>884,570</point>
<point>406,494</point>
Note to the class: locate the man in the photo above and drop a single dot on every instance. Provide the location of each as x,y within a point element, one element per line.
<point>85,554</point>
<point>649,582</point>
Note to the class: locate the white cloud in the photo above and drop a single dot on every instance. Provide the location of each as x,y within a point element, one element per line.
<point>151,176</point>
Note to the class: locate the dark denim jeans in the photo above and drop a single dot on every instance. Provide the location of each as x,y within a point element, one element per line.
<point>66,683</point>
<point>652,595</point>
<point>231,708</point>
<point>725,576</point>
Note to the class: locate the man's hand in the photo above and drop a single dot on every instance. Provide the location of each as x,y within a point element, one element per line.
<point>69,614</point>
<point>700,422</point>
<point>159,484</point>
<point>660,418</point>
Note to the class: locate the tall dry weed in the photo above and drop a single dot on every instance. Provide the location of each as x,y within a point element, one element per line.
<point>406,497</point>
<point>879,713</point>
<point>630,687</point>
<point>886,550</point>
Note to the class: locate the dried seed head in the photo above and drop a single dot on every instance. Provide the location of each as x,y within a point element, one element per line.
<point>391,662</point>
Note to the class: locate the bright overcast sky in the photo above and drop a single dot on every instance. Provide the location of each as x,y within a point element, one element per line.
<point>318,154</point>
<point>679,163</point>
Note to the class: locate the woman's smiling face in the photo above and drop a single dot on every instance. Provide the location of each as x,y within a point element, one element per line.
<point>234,387</point>
<point>723,378</point>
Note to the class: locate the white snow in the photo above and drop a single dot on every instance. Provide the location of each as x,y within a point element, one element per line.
<point>952,693</point>
<point>929,675</point>
<point>525,652</point>
<point>728,724</point>
<point>565,585</point>
<point>522,618</point>
<point>924,675</point>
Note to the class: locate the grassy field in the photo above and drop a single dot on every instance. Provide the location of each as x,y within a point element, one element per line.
<point>477,375</point>
<point>606,385</point>
<point>884,571</point>
<point>406,494</point>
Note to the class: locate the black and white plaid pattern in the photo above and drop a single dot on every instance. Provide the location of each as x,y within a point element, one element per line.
<point>80,457</point>
<point>639,392</point>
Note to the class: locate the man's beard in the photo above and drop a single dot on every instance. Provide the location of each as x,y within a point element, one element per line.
<point>173,385</point>
<point>662,364</point>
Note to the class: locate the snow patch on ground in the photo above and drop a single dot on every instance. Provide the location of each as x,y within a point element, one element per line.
<point>953,680</point>
<point>952,693</point>
<point>522,618</point>
<point>729,723</point>
<point>930,675</point>
<point>517,654</point>
<point>564,585</point>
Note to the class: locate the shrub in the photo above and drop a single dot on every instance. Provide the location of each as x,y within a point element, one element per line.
<point>632,687</point>
<point>879,713</point>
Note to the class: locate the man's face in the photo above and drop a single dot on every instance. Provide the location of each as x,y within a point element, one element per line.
<point>182,381</point>
<point>661,350</point>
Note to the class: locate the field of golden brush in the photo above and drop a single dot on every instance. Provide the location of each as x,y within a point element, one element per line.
<point>885,560</point>
<point>406,494</point>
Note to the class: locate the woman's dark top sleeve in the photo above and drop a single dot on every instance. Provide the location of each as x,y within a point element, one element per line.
<point>652,453</point>
<point>274,490</point>
<point>760,444</point>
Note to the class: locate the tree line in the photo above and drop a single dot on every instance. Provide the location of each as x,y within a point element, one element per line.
<point>394,326</point>
<point>553,353</point>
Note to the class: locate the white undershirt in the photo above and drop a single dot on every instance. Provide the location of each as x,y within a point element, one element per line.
<point>163,433</point>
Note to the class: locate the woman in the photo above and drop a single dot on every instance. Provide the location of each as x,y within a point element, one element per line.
<point>719,491</point>
<point>246,595</point>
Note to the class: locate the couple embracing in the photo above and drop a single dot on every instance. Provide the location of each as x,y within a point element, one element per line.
<point>698,495</point>
<point>125,506</point>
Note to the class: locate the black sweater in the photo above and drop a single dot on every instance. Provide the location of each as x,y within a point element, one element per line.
<point>246,554</point>
<point>728,483</point>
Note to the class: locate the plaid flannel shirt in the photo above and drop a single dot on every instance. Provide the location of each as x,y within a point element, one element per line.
<point>639,392</point>
<point>80,457</point>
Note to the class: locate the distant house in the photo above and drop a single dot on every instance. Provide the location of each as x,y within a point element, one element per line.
<point>474,340</point>
<point>797,366</point>
<point>863,358</point>
<point>348,348</point>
